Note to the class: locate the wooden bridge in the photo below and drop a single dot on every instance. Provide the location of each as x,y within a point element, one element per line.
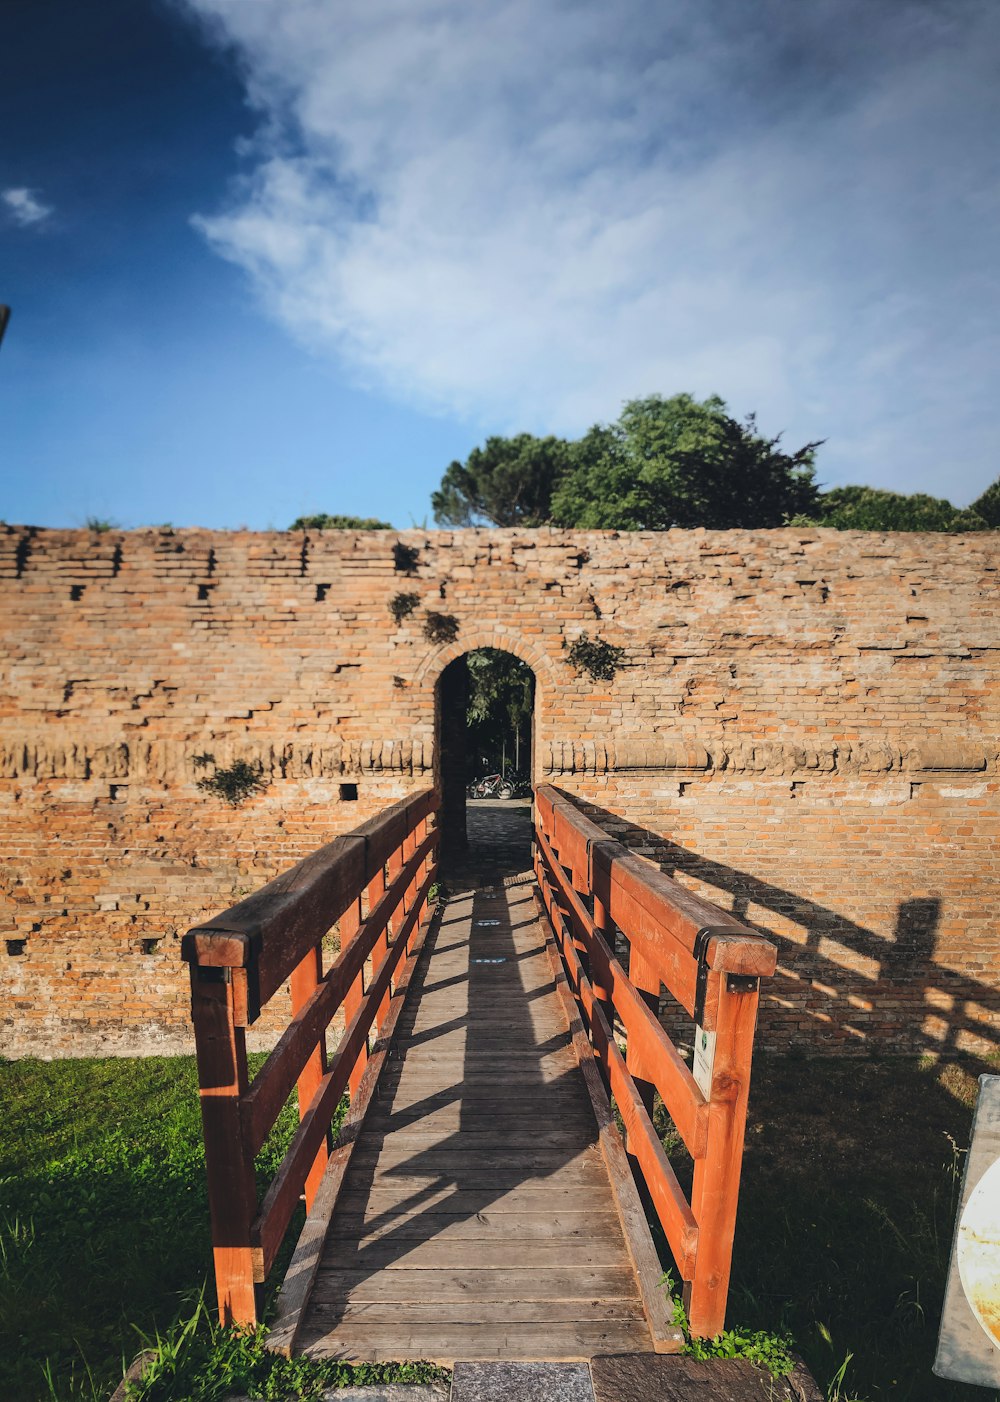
<point>489,1192</point>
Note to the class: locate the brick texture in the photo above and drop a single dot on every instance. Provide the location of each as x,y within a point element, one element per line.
<point>804,727</point>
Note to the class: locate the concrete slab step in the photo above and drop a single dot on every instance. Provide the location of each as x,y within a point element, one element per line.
<point>521,1382</point>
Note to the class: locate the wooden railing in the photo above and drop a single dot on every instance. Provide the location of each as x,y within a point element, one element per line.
<point>711,964</point>
<point>375,881</point>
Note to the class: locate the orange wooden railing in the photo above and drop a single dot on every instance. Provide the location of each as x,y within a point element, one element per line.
<point>711,964</point>
<point>375,881</point>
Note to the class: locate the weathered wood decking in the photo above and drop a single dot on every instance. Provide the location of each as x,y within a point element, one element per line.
<point>476,1218</point>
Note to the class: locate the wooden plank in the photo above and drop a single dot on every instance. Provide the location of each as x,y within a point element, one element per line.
<point>383,1201</point>
<point>389,1156</point>
<point>570,1342</point>
<point>427,1311</point>
<point>301,1273</point>
<point>467,1338</point>
<point>419,1224</point>
<point>517,1283</point>
<point>483,1254</point>
<point>474,1173</point>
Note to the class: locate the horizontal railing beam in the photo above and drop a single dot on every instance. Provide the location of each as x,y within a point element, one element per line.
<point>663,1065</point>
<point>282,1197</point>
<point>270,932</point>
<point>273,1084</point>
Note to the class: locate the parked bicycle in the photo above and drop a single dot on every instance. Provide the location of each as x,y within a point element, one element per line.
<point>491,786</point>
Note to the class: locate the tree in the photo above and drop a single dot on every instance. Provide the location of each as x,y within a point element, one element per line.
<point>872,509</point>
<point>678,462</point>
<point>324,522</point>
<point>499,706</point>
<point>988,506</point>
<point>508,482</point>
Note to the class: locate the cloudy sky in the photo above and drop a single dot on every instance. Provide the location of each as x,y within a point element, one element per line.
<point>275,256</point>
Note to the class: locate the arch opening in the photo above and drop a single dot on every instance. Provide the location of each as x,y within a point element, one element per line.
<point>485,726</point>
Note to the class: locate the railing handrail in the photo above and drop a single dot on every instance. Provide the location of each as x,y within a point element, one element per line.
<point>731,948</point>
<point>269,931</point>
<point>238,960</point>
<point>711,963</point>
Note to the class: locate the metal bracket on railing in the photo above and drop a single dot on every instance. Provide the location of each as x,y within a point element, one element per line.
<point>700,952</point>
<point>742,983</point>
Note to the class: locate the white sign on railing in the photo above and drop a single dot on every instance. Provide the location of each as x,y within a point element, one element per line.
<point>969,1342</point>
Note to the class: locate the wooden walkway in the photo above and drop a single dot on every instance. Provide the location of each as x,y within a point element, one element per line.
<point>476,1218</point>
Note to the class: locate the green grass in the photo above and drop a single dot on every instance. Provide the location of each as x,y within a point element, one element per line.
<point>847,1208</point>
<point>850,1183</point>
<point>104,1236</point>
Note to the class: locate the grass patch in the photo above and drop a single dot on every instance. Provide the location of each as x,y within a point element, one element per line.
<point>851,1177</point>
<point>104,1235</point>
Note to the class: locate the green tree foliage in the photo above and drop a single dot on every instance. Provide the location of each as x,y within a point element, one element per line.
<point>988,506</point>
<point>325,522</point>
<point>508,482</point>
<point>665,462</point>
<point>499,706</point>
<point>678,462</point>
<point>871,509</point>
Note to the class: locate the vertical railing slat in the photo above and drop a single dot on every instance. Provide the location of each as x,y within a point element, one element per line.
<point>232,1198</point>
<point>303,983</point>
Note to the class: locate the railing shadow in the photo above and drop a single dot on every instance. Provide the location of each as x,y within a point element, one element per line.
<point>888,995</point>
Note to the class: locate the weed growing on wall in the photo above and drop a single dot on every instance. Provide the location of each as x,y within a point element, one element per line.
<point>405,558</point>
<point>441,628</point>
<point>235,784</point>
<point>402,605</point>
<point>599,659</point>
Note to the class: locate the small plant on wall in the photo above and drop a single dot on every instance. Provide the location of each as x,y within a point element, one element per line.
<point>402,605</point>
<point>405,558</point>
<point>441,628</point>
<point>236,783</point>
<point>599,659</point>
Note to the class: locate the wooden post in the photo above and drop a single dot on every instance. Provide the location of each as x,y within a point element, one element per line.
<point>350,922</point>
<point>232,1196</point>
<point>376,890</point>
<point>393,867</point>
<point>304,981</point>
<point>409,847</point>
<point>605,928</point>
<point>646,981</point>
<point>717,1176</point>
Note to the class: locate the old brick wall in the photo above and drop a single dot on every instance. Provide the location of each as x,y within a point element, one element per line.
<point>804,727</point>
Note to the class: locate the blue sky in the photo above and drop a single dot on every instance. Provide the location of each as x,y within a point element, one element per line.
<point>276,256</point>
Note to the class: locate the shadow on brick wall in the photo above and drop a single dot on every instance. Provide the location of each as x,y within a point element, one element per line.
<point>910,1003</point>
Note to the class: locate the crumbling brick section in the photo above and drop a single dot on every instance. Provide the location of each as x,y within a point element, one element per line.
<point>803,726</point>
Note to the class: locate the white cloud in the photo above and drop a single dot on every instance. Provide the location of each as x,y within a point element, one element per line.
<point>526,211</point>
<point>24,206</point>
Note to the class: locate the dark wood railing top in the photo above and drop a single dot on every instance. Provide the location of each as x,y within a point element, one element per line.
<point>270,931</point>
<point>616,876</point>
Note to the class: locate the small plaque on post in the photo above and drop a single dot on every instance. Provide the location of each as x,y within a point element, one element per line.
<point>704,1060</point>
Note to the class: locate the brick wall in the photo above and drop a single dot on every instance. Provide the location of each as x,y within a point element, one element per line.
<point>805,727</point>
